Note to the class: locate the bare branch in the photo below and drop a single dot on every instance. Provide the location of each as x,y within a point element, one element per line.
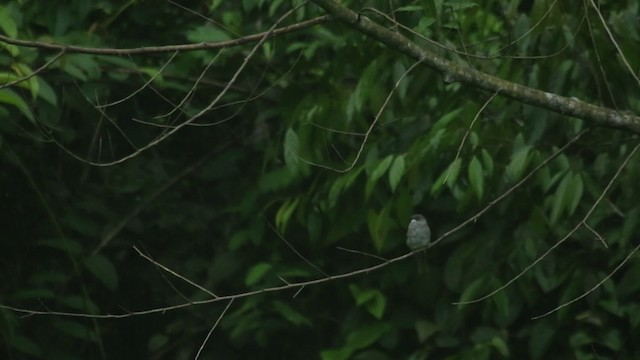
<point>453,72</point>
<point>464,138</point>
<point>206,339</point>
<point>362,253</point>
<point>511,189</point>
<point>575,228</point>
<point>174,273</point>
<point>300,285</point>
<point>106,239</point>
<point>593,288</point>
<point>296,251</point>
<point>614,42</point>
<point>211,105</point>
<point>168,48</point>
<point>34,73</point>
<point>369,130</point>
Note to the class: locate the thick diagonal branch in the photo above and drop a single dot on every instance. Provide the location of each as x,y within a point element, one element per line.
<point>454,72</point>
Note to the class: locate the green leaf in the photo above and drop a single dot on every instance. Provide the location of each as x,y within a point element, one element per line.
<point>518,164</point>
<point>548,279</point>
<point>474,140</point>
<point>409,8</point>
<point>79,303</point>
<point>371,160</point>
<point>581,338</point>
<point>7,96</point>
<point>7,77</point>
<point>32,84</point>
<point>336,354</point>
<point>292,315</point>
<point>449,176</point>
<point>152,73</point>
<point>274,5</point>
<point>80,66</point>
<point>379,224</point>
<point>613,340</point>
<point>454,171</point>
<point>343,183</point>
<point>499,344</point>
<point>424,329</point>
<point>476,178</point>
<point>256,273</point>
<point>487,160</point>
<point>501,301</point>
<point>46,93</point>
<point>157,342</point>
<point>367,335</point>
<point>396,172</point>
<point>66,245</point>
<point>32,294</point>
<point>575,193</point>
<point>398,71</point>
<point>291,149</point>
<point>276,179</point>
<point>26,346</point>
<point>379,170</point>
<point>358,339</point>
<point>446,119</point>
<point>207,34</point>
<point>559,199</point>
<point>7,24</point>
<point>549,183</point>
<point>460,5</point>
<point>369,83</point>
<point>373,300</point>
<point>541,338</point>
<point>284,213</point>
<point>471,291</point>
<point>76,329</point>
<point>102,268</point>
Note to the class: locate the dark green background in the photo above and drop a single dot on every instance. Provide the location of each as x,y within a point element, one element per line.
<point>224,203</point>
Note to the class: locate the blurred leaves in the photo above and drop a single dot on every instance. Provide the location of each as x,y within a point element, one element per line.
<point>103,269</point>
<point>373,300</point>
<point>202,200</point>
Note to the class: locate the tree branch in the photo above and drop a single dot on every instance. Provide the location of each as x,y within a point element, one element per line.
<point>168,48</point>
<point>453,72</point>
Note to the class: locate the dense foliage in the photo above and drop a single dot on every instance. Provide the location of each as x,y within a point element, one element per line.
<point>302,170</point>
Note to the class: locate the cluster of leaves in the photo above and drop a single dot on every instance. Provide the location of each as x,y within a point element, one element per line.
<point>299,161</point>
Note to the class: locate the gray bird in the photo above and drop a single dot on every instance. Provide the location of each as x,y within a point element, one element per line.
<point>418,233</point>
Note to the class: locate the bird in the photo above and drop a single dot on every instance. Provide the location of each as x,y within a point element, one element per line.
<point>418,233</point>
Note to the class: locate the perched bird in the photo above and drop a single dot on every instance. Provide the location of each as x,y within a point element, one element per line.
<point>418,232</point>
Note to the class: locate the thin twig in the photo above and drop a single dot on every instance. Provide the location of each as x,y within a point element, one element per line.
<point>369,130</point>
<point>174,273</point>
<point>511,189</point>
<point>614,42</point>
<point>295,250</point>
<point>598,236</point>
<point>300,285</point>
<point>556,245</point>
<point>362,253</point>
<point>33,73</point>
<point>168,48</point>
<point>464,138</point>
<point>592,289</point>
<point>202,112</point>
<point>149,81</point>
<point>206,339</point>
<point>154,195</point>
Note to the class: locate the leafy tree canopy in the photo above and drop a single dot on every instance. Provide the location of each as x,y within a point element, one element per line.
<point>234,179</point>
